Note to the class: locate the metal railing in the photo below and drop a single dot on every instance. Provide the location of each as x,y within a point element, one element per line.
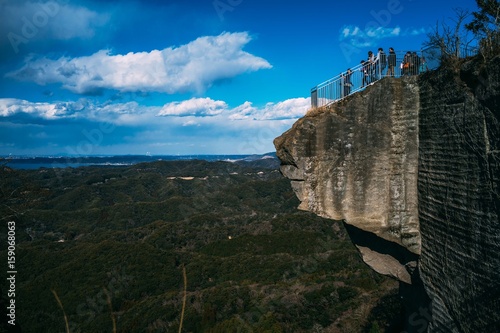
<point>365,74</point>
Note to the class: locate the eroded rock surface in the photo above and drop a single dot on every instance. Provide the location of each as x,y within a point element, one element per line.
<point>357,161</point>
<point>458,183</point>
<point>412,166</point>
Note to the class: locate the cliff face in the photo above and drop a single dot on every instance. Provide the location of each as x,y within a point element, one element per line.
<point>358,162</point>
<point>458,183</point>
<point>412,167</point>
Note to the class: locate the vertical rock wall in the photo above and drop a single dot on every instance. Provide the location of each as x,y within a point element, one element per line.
<point>459,172</point>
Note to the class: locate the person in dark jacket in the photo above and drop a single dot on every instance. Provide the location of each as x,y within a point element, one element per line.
<point>347,82</point>
<point>406,64</point>
<point>365,72</point>
<point>415,63</point>
<point>391,62</point>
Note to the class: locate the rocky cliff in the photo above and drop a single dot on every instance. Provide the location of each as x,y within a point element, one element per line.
<point>412,166</point>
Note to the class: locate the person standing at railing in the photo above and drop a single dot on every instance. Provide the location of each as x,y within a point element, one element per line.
<point>423,66</point>
<point>406,64</point>
<point>380,63</point>
<point>364,72</point>
<point>411,63</point>
<point>341,87</point>
<point>415,63</point>
<point>391,62</point>
<point>347,82</point>
<point>371,66</point>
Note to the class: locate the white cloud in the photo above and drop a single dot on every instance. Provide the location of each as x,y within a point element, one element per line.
<point>191,123</point>
<point>243,111</point>
<point>130,113</point>
<point>370,36</point>
<point>396,31</point>
<point>371,32</point>
<point>421,31</point>
<point>350,31</point>
<point>188,113</point>
<point>192,67</point>
<point>289,109</point>
<point>202,107</point>
<point>244,129</point>
<point>194,107</point>
<point>10,106</point>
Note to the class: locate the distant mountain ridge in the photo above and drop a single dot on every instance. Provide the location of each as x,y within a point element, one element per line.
<point>268,160</point>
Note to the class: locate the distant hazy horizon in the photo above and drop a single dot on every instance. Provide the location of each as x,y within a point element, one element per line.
<point>36,162</point>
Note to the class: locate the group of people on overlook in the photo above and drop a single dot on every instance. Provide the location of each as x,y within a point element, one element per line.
<point>377,66</point>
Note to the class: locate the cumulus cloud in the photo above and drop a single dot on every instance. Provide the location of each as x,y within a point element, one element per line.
<point>10,106</point>
<point>193,67</point>
<point>194,107</point>
<point>202,107</point>
<point>117,113</point>
<point>193,110</point>
<point>290,109</point>
<point>180,128</point>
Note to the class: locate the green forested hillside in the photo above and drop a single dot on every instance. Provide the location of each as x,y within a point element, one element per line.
<point>112,243</point>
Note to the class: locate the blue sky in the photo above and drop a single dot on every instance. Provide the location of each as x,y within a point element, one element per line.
<point>88,77</point>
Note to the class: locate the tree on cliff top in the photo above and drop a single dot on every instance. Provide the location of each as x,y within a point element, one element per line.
<point>486,26</point>
<point>451,40</point>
